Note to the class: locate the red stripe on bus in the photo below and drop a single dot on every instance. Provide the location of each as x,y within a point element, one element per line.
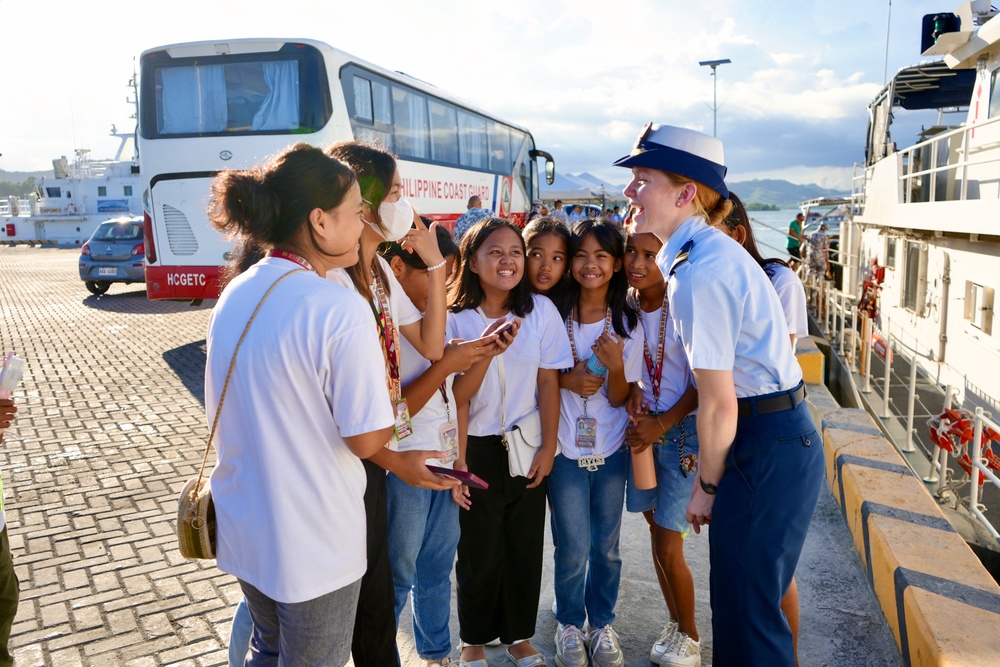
<point>182,282</point>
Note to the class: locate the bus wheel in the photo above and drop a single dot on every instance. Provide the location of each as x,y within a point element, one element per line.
<point>98,287</point>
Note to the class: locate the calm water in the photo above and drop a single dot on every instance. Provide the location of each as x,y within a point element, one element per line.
<point>772,242</point>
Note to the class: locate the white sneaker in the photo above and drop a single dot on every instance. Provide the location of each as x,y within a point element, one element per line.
<point>443,662</point>
<point>685,652</point>
<point>571,647</point>
<point>604,649</point>
<point>663,642</point>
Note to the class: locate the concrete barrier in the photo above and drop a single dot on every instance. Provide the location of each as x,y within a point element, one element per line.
<point>811,360</point>
<point>941,604</point>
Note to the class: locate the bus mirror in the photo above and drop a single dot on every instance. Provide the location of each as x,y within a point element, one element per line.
<point>550,165</point>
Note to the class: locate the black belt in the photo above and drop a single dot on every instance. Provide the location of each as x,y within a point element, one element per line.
<point>786,400</point>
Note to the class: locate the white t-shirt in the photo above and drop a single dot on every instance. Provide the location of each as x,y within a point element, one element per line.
<point>541,342</point>
<point>426,423</point>
<point>288,491</point>
<point>792,296</point>
<point>611,421</point>
<point>676,376</point>
<point>725,311</point>
<point>403,310</point>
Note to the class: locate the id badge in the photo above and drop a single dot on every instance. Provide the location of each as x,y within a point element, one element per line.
<point>449,442</point>
<point>586,433</point>
<point>404,428</point>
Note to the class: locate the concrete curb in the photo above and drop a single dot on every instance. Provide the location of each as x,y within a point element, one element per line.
<point>941,604</point>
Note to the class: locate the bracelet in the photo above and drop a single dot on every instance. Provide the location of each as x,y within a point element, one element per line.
<point>660,424</point>
<point>443,264</point>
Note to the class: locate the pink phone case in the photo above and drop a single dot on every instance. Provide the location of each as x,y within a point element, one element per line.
<point>466,478</point>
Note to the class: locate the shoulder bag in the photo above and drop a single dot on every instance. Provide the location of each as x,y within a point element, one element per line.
<point>195,509</point>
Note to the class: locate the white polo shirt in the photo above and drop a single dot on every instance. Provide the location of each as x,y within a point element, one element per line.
<point>611,421</point>
<point>288,492</point>
<point>725,311</point>
<point>541,342</point>
<point>792,296</point>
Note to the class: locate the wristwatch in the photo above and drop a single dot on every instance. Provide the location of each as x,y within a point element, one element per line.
<point>710,489</point>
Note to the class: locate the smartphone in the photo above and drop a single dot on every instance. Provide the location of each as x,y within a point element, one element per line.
<point>466,478</point>
<point>10,374</point>
<point>505,327</point>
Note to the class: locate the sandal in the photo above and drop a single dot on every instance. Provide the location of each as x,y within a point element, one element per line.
<point>535,660</point>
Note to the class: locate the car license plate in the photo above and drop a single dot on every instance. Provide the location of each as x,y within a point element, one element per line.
<point>107,271</point>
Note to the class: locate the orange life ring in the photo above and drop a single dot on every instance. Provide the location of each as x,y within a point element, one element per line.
<point>71,208</point>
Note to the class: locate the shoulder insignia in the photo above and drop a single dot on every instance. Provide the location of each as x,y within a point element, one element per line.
<point>681,256</point>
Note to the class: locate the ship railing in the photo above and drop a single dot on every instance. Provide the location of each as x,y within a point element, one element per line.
<point>856,338</point>
<point>913,182</point>
<point>23,208</point>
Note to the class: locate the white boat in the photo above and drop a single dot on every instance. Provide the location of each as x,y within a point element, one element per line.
<point>66,208</point>
<point>926,218</point>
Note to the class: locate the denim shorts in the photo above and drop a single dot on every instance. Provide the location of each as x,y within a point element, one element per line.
<point>672,494</point>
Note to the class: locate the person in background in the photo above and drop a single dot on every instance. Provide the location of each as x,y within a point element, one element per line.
<point>9,585</point>
<point>818,251</point>
<point>795,240</point>
<point>301,578</point>
<point>559,214</point>
<point>547,242</point>
<point>423,523</point>
<point>499,568</point>
<point>760,461</point>
<point>474,214</point>
<point>616,215</point>
<point>663,413</point>
<point>543,210</point>
<point>576,215</point>
<point>792,295</point>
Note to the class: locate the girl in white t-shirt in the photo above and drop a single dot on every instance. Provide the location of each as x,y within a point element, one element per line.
<point>389,217</point>
<point>296,406</point>
<point>499,565</point>
<point>423,523</point>
<point>587,484</point>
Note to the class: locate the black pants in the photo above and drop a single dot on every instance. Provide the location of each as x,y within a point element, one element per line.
<point>8,598</point>
<point>374,642</point>
<point>499,570</point>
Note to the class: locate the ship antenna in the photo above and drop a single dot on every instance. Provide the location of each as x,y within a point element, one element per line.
<point>885,68</point>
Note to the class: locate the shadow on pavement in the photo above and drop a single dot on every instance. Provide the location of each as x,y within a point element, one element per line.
<point>188,363</point>
<point>135,301</point>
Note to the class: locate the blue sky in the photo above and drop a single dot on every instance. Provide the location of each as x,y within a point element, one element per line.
<point>583,75</point>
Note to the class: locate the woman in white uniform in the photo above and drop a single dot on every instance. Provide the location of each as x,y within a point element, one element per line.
<point>761,459</point>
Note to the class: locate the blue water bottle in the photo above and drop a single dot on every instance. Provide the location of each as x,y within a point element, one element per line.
<point>595,367</point>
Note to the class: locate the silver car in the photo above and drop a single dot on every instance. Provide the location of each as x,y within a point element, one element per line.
<point>114,254</point>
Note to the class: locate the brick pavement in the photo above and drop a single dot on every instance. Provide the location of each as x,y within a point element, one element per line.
<point>111,425</point>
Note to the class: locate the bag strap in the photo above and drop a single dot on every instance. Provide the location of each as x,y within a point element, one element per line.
<point>503,381</point>
<point>229,374</point>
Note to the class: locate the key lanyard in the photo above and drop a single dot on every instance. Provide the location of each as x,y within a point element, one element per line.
<point>656,371</point>
<point>387,336</point>
<point>572,342</point>
<point>291,257</point>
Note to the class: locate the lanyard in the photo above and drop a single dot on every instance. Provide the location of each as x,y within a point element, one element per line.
<point>444,395</point>
<point>656,371</point>
<point>387,336</point>
<point>292,257</point>
<point>572,343</point>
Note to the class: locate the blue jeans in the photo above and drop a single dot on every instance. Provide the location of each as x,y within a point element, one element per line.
<point>586,525</point>
<point>315,632</point>
<point>239,635</point>
<point>423,537</point>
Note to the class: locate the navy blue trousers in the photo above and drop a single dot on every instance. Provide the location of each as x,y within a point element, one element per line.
<point>759,521</point>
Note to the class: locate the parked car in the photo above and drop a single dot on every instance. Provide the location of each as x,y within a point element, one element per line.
<point>114,254</point>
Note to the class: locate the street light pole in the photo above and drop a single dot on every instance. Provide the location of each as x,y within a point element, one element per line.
<point>715,107</point>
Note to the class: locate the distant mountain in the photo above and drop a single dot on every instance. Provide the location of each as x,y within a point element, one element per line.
<point>781,193</point>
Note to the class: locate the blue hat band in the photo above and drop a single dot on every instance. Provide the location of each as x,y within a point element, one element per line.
<point>680,162</point>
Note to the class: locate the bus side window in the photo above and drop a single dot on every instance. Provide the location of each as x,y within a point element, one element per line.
<point>444,138</point>
<point>409,108</point>
<point>472,143</point>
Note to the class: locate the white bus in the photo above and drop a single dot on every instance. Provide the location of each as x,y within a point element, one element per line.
<point>209,106</point>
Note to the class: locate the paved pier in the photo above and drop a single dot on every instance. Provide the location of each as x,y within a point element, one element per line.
<point>111,425</point>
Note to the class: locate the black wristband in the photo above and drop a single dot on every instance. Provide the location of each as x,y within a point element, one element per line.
<point>710,489</point>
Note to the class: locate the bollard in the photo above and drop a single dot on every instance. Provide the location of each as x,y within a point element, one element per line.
<point>867,344</point>
<point>888,369</point>
<point>908,448</point>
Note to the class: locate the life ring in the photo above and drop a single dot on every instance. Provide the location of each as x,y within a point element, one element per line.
<point>71,209</point>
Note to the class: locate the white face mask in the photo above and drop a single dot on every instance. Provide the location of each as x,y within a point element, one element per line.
<point>396,218</point>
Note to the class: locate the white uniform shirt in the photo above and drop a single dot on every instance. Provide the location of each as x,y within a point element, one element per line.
<point>792,296</point>
<point>403,310</point>
<point>288,492</point>
<point>676,377</point>
<point>726,313</point>
<point>541,342</point>
<point>427,422</point>
<point>611,421</point>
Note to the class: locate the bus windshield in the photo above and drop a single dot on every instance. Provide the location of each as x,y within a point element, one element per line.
<point>277,93</point>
